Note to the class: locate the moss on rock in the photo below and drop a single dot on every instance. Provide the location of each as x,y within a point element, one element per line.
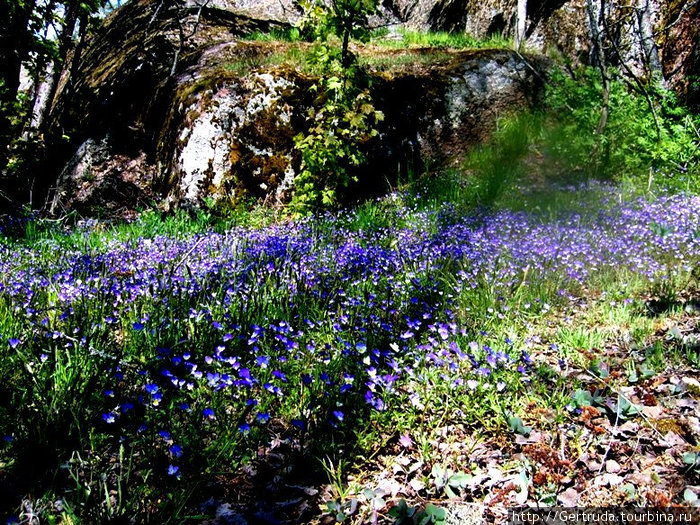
<point>213,130</point>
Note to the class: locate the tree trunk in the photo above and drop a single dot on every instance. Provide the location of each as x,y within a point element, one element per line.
<point>65,43</point>
<point>41,70</point>
<point>15,40</point>
<point>346,43</point>
<point>596,14</point>
<point>83,21</point>
<point>520,24</point>
<point>650,51</point>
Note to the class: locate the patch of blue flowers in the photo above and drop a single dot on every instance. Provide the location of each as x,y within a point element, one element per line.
<point>216,339</point>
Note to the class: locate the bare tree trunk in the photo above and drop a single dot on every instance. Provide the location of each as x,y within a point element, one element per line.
<point>638,84</point>
<point>596,19</point>
<point>520,24</point>
<point>40,71</point>
<point>65,43</point>
<point>83,21</point>
<point>345,56</point>
<point>650,51</point>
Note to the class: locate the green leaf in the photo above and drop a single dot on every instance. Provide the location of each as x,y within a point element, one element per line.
<point>690,458</point>
<point>459,480</point>
<point>582,398</point>
<point>517,426</point>
<point>437,514</point>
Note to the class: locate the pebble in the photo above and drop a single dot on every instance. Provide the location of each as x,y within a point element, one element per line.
<point>612,466</point>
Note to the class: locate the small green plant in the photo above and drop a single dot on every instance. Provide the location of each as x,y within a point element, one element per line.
<point>344,19</point>
<point>432,514</point>
<point>516,425</point>
<point>440,39</point>
<point>448,480</point>
<point>343,118</point>
<point>624,409</point>
<point>402,513</point>
<point>692,460</point>
<point>342,505</point>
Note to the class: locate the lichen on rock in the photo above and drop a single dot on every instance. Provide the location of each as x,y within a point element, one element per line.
<point>222,126</point>
<point>215,144</point>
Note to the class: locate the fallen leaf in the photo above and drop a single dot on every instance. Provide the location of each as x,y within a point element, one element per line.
<point>694,427</point>
<point>569,497</point>
<point>417,485</point>
<point>415,466</point>
<point>611,480</point>
<point>591,463</point>
<point>654,412</point>
<point>691,385</point>
<point>691,404</point>
<point>523,482</point>
<point>671,439</point>
<point>612,466</point>
<point>389,486</point>
<point>403,460</point>
<point>629,428</point>
<point>533,437</point>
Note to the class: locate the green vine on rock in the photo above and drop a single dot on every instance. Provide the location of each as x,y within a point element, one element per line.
<point>343,118</point>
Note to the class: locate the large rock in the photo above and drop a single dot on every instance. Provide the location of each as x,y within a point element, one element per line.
<point>646,31</point>
<point>213,117</point>
<point>170,105</point>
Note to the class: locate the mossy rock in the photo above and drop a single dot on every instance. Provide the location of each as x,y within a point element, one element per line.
<point>220,121</point>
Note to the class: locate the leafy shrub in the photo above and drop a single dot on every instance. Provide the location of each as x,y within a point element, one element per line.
<point>638,144</point>
<point>343,118</point>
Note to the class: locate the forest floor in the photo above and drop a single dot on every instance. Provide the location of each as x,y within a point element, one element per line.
<point>409,360</point>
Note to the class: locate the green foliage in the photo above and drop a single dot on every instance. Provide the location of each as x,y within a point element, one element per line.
<point>442,39</point>
<point>635,146</point>
<point>339,17</point>
<point>403,514</point>
<point>517,426</point>
<point>286,34</point>
<point>554,145</point>
<point>497,164</point>
<point>331,148</point>
<point>341,122</point>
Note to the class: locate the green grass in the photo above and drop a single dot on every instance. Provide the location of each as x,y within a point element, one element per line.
<point>289,50</point>
<point>286,34</point>
<point>405,38</point>
<point>608,331</point>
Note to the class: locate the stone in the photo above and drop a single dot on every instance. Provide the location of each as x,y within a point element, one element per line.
<point>612,466</point>
<point>221,128</point>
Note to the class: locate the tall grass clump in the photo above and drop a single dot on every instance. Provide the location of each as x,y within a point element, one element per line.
<point>441,39</point>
